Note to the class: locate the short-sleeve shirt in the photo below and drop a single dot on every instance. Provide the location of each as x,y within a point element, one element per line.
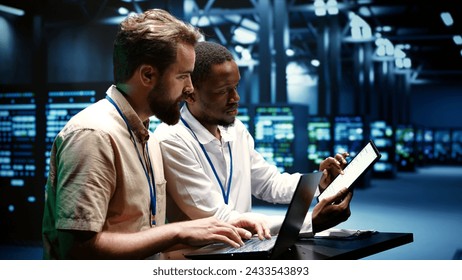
<point>97,180</point>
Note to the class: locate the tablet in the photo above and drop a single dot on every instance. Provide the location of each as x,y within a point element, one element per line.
<point>367,157</point>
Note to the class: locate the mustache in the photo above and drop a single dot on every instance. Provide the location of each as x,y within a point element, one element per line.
<point>233,106</point>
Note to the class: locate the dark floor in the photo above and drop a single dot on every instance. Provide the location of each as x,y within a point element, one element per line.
<point>426,202</point>
<point>20,252</point>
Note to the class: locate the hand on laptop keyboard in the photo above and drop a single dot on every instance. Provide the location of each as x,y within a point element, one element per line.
<point>254,245</point>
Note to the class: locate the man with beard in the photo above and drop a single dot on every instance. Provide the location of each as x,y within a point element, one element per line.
<point>105,194</point>
<point>210,163</point>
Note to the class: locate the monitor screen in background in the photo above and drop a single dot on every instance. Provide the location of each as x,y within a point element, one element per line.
<point>348,134</point>
<point>405,147</point>
<point>280,135</point>
<point>244,116</point>
<point>21,194</point>
<point>18,132</point>
<point>274,135</point>
<point>319,140</point>
<point>59,108</point>
<point>442,145</point>
<point>382,135</point>
<point>456,149</point>
<point>428,145</point>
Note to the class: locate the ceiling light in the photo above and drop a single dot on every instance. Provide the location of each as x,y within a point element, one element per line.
<point>457,39</point>
<point>238,48</point>
<point>360,29</point>
<point>315,62</point>
<point>11,10</point>
<point>116,20</point>
<point>201,21</point>
<point>364,11</point>
<point>244,36</point>
<point>447,18</point>
<point>384,47</point>
<point>246,55</point>
<point>407,63</point>
<point>386,28</point>
<point>290,52</point>
<point>123,11</point>
<point>332,8</point>
<point>319,8</point>
<point>399,53</point>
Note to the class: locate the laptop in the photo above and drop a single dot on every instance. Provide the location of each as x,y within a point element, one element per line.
<point>271,248</point>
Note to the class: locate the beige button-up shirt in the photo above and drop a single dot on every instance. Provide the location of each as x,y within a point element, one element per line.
<point>97,181</point>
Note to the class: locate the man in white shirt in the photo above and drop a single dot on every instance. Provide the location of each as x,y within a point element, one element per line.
<point>210,163</point>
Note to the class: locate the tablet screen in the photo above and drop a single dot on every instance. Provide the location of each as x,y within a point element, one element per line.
<point>357,166</point>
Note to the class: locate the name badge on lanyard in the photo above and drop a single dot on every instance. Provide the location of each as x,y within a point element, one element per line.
<point>223,191</point>
<point>151,181</point>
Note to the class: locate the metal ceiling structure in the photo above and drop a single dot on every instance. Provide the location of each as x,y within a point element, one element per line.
<point>415,24</point>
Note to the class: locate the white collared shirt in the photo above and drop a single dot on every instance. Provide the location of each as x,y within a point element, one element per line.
<point>193,189</point>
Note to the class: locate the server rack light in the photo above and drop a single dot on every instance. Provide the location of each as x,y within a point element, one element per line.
<point>319,130</point>
<point>280,135</point>
<point>60,107</point>
<point>382,134</point>
<point>405,147</point>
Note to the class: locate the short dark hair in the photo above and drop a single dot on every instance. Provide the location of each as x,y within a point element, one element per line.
<point>149,38</point>
<point>208,54</point>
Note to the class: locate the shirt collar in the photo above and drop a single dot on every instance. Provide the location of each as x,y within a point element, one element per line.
<point>203,135</point>
<point>139,128</point>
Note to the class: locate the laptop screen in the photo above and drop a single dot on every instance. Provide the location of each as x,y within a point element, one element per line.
<point>296,212</point>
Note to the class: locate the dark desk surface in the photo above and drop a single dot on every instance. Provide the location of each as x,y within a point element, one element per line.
<point>347,249</point>
<point>324,248</point>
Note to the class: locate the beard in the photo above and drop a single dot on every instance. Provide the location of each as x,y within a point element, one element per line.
<point>226,123</point>
<point>216,117</point>
<point>162,106</point>
<point>229,120</point>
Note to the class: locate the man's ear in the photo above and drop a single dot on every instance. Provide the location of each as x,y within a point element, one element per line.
<point>148,75</point>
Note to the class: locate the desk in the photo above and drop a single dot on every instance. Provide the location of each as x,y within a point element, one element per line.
<point>347,249</point>
<point>324,249</point>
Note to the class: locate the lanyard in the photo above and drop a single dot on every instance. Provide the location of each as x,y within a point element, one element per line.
<point>151,181</point>
<point>225,195</point>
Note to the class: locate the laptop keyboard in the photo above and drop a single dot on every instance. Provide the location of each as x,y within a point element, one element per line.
<point>254,245</point>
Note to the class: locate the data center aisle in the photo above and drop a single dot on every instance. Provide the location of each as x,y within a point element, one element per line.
<point>426,203</point>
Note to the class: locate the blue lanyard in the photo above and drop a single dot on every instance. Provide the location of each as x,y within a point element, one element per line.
<point>151,181</point>
<point>225,195</point>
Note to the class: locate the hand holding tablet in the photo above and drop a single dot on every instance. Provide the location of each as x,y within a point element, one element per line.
<point>367,157</point>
